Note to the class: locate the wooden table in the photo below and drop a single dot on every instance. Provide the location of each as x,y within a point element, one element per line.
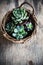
<point>21,54</point>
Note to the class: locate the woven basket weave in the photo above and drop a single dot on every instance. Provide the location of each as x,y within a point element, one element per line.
<point>4,21</point>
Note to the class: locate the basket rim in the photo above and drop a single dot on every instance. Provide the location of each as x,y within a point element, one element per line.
<point>6,35</point>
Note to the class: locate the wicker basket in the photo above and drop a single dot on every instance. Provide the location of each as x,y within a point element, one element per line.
<point>4,21</point>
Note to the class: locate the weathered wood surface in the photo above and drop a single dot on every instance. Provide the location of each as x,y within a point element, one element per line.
<point>21,54</point>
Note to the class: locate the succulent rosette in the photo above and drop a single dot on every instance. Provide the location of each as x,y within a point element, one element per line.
<point>19,15</point>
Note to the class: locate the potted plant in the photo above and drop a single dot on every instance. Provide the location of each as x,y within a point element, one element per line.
<point>19,24</point>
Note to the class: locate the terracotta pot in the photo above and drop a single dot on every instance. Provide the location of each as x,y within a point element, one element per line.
<point>6,35</point>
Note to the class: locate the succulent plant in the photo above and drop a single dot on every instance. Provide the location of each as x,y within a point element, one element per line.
<point>19,32</point>
<point>29,26</point>
<point>19,15</point>
<point>9,27</point>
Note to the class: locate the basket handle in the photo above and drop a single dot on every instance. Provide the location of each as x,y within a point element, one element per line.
<point>29,5</point>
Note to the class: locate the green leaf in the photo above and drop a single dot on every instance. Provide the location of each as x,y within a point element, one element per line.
<point>15,30</point>
<point>14,34</point>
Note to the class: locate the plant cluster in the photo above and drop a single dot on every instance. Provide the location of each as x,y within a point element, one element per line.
<point>18,31</point>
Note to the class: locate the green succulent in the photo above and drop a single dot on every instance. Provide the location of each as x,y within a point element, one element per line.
<point>9,27</point>
<point>19,15</point>
<point>19,32</point>
<point>29,26</point>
